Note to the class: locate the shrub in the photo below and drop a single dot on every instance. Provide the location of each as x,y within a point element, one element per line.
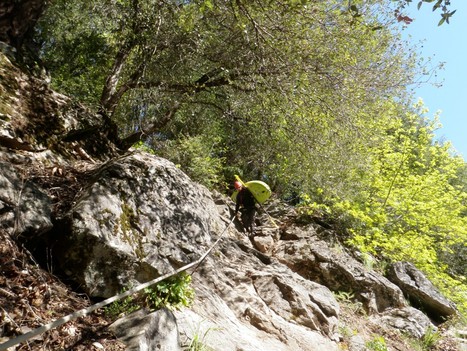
<point>174,293</point>
<point>377,344</point>
<point>120,308</point>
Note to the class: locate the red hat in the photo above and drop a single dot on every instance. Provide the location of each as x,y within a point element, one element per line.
<point>238,185</point>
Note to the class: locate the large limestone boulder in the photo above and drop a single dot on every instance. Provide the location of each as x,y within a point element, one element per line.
<point>138,218</point>
<point>420,291</point>
<point>244,299</point>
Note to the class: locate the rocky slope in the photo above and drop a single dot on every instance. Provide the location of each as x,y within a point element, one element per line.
<point>71,205</point>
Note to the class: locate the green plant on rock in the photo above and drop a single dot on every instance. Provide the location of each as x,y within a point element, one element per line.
<point>344,296</point>
<point>198,341</point>
<point>173,293</point>
<point>122,307</point>
<point>377,344</point>
<point>142,146</point>
<point>428,342</point>
<point>348,299</point>
<point>430,339</point>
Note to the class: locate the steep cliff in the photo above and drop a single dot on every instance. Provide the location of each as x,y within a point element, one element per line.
<point>71,205</point>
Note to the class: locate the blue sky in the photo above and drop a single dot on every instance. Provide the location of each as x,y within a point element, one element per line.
<point>447,43</point>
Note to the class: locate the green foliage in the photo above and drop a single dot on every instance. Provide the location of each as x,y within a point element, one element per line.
<point>198,341</point>
<point>293,105</point>
<point>414,206</point>
<point>428,342</point>
<point>344,296</point>
<point>197,157</point>
<point>377,344</point>
<point>75,50</point>
<point>430,339</point>
<point>140,145</point>
<point>437,5</point>
<point>174,293</point>
<point>120,308</point>
<point>348,299</point>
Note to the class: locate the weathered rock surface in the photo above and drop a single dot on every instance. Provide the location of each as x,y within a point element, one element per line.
<point>25,210</point>
<point>408,320</point>
<point>142,217</point>
<point>138,218</point>
<point>264,304</point>
<point>420,291</point>
<point>145,331</point>
<point>315,260</point>
<point>41,126</point>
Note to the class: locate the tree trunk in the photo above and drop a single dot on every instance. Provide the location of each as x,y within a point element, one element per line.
<point>131,139</point>
<point>109,99</point>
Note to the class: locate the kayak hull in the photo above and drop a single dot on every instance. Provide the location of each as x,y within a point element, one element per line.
<point>258,188</point>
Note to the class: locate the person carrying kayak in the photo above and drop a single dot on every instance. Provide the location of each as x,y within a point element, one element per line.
<point>246,204</point>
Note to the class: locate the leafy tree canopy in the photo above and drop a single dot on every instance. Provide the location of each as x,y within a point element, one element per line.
<point>281,83</point>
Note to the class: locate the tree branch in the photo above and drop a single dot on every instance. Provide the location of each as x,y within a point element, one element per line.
<point>140,135</point>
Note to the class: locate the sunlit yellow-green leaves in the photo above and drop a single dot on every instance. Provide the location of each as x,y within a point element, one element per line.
<point>415,210</point>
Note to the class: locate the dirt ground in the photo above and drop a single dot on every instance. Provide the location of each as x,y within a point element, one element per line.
<point>31,297</point>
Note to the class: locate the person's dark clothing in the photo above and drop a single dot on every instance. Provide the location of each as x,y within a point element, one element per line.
<point>246,201</point>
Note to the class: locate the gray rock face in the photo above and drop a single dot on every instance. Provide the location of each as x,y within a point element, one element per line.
<point>142,217</point>
<point>408,320</point>
<point>139,218</point>
<point>144,331</point>
<point>315,260</point>
<point>247,304</point>
<point>420,290</point>
<point>25,210</point>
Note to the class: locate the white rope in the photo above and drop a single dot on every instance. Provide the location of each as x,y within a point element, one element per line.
<point>87,310</point>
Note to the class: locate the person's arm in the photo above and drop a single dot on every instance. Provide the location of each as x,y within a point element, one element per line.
<point>238,201</point>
